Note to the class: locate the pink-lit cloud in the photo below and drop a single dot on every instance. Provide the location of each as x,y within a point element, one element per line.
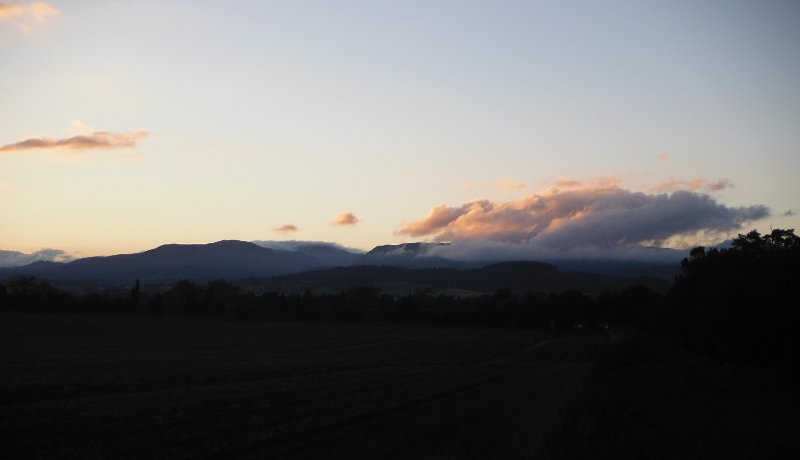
<point>662,156</point>
<point>92,141</point>
<point>286,228</point>
<point>700,183</point>
<point>344,219</point>
<point>598,216</point>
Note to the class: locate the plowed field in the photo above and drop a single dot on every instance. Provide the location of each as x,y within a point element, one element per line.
<point>81,386</point>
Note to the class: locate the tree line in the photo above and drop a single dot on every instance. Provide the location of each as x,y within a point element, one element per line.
<point>220,299</point>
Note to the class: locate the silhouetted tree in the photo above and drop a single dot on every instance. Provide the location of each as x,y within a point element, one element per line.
<point>741,303</point>
<point>134,294</point>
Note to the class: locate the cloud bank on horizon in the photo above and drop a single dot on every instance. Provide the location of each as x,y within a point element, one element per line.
<point>18,259</point>
<point>93,141</point>
<point>585,221</point>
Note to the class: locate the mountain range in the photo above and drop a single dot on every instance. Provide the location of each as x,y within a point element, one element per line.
<point>238,260</point>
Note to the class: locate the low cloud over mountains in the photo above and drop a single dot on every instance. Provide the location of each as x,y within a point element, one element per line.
<point>590,221</point>
<point>15,259</point>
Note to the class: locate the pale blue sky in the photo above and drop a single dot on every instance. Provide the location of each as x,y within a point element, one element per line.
<point>262,114</point>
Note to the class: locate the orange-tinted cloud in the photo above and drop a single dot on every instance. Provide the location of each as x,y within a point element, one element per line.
<point>40,11</point>
<point>562,182</point>
<point>21,13</point>
<point>673,185</point>
<point>96,140</point>
<point>500,184</point>
<point>599,181</point>
<point>662,156</point>
<point>287,228</point>
<point>508,184</point>
<point>10,9</point>
<point>344,219</point>
<point>603,216</point>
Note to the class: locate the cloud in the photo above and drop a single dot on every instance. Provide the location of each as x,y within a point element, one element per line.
<point>22,13</point>
<point>41,11</point>
<point>286,228</point>
<point>3,185</point>
<point>499,185</point>
<point>508,184</point>
<point>566,183</point>
<point>344,219</point>
<point>294,245</point>
<point>719,185</point>
<point>701,183</point>
<point>96,140</point>
<point>587,217</point>
<point>662,156</point>
<point>17,259</point>
<point>10,9</point>
<point>789,213</point>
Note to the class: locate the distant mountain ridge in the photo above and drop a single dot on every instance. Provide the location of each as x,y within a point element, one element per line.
<point>228,259</point>
<point>234,260</point>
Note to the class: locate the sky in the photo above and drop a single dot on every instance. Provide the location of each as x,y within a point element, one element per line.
<point>553,126</point>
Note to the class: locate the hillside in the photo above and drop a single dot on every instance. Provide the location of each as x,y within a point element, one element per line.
<point>518,276</point>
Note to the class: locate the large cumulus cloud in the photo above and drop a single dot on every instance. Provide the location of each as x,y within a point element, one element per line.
<point>604,216</point>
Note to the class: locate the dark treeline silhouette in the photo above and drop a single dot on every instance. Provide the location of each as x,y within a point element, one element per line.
<point>741,304</point>
<point>219,299</point>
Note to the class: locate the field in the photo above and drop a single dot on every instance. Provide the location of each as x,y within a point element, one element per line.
<point>84,386</point>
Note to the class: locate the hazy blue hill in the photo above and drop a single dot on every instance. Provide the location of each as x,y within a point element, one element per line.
<point>172,262</point>
<point>517,275</point>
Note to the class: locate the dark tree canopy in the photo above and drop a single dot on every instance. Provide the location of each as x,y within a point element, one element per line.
<point>742,302</point>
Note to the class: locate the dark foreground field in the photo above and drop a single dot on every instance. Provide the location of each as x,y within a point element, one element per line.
<point>83,386</point>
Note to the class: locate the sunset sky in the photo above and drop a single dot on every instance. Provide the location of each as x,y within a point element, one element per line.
<point>536,126</point>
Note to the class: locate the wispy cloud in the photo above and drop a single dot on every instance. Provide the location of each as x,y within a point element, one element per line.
<point>700,183</point>
<point>287,228</point>
<point>662,156</point>
<point>500,184</point>
<point>601,216</point>
<point>598,181</point>
<point>94,141</point>
<point>21,14</point>
<point>789,213</point>
<point>345,219</point>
